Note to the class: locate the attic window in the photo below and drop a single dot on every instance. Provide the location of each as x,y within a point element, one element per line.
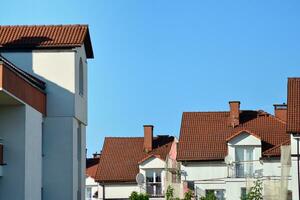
<point>81,77</point>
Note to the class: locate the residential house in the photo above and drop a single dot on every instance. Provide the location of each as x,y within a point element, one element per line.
<point>223,152</point>
<point>122,158</point>
<point>293,128</point>
<point>93,190</point>
<point>43,111</point>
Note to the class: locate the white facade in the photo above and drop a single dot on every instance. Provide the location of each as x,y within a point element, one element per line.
<point>91,188</point>
<point>21,128</point>
<point>230,179</point>
<point>294,170</point>
<point>62,143</point>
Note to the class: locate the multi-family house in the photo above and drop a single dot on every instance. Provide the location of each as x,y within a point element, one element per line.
<point>43,111</point>
<point>223,152</point>
<point>123,158</point>
<point>93,190</point>
<point>293,128</point>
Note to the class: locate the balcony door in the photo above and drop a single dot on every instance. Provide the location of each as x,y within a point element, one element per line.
<point>153,183</point>
<point>244,161</point>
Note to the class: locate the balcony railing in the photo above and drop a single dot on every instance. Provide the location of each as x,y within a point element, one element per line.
<point>1,154</point>
<point>154,189</point>
<point>244,169</point>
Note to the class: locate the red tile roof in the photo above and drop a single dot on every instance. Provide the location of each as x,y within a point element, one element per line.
<point>276,150</point>
<point>91,166</point>
<point>293,108</point>
<point>203,134</point>
<point>45,36</point>
<point>121,156</point>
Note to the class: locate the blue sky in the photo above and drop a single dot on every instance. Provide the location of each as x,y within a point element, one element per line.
<point>155,59</point>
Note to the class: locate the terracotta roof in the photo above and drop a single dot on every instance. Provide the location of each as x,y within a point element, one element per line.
<point>45,36</point>
<point>203,134</point>
<point>293,108</point>
<point>91,166</point>
<point>120,157</point>
<point>276,150</point>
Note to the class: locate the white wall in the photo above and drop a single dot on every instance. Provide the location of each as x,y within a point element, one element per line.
<point>65,108</point>
<point>90,182</point>
<point>81,100</point>
<point>120,190</point>
<point>33,154</point>
<point>204,171</point>
<point>12,126</point>
<point>294,170</point>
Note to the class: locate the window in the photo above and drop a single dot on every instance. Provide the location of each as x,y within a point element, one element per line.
<point>243,193</point>
<point>88,193</point>
<point>81,77</point>
<point>153,182</point>
<point>244,161</point>
<point>219,193</point>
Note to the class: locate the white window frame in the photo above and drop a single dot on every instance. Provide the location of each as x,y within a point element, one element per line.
<point>154,172</point>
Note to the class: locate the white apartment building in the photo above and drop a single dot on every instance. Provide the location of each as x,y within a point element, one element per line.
<point>43,111</point>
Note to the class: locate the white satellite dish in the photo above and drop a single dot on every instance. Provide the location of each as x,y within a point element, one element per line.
<point>140,179</point>
<point>228,160</point>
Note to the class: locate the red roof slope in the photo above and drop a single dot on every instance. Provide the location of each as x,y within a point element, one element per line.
<point>46,36</point>
<point>91,166</point>
<point>203,134</point>
<point>293,112</point>
<point>120,157</point>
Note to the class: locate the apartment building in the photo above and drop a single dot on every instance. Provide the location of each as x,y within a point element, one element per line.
<point>43,111</point>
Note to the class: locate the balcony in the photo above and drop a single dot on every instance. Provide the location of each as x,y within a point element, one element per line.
<point>154,189</point>
<point>244,169</point>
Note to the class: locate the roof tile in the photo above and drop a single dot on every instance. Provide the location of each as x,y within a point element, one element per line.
<point>45,36</point>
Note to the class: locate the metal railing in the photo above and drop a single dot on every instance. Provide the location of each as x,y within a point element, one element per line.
<point>242,169</point>
<point>1,154</point>
<point>154,189</point>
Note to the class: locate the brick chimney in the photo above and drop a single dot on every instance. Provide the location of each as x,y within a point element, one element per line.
<point>234,118</point>
<point>148,137</point>
<point>280,111</point>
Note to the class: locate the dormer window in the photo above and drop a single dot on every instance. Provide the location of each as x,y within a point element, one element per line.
<point>81,77</point>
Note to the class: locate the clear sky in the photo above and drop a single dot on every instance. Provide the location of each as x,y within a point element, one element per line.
<point>155,59</point>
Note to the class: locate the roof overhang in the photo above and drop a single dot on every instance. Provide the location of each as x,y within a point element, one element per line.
<point>16,88</point>
<point>148,157</point>
<point>241,132</point>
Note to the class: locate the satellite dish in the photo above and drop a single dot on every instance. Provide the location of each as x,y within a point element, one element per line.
<point>140,179</point>
<point>228,160</point>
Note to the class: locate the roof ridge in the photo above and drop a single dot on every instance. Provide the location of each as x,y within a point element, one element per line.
<point>43,25</point>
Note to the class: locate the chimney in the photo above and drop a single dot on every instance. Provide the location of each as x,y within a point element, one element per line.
<point>148,137</point>
<point>280,111</point>
<point>96,155</point>
<point>234,119</point>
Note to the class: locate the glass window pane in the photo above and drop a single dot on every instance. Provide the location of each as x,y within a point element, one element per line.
<point>239,154</point>
<point>158,176</point>
<point>149,176</point>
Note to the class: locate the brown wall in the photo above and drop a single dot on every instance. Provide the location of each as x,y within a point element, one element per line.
<point>19,87</point>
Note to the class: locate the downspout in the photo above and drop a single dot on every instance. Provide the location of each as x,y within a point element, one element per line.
<point>103,191</point>
<point>298,168</point>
